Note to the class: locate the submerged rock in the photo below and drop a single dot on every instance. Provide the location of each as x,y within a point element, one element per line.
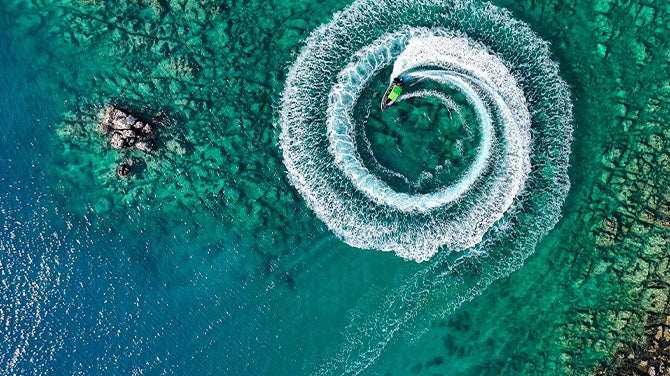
<point>123,170</point>
<point>130,166</point>
<point>126,131</point>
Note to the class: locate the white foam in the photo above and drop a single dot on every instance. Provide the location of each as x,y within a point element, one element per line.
<point>453,60</point>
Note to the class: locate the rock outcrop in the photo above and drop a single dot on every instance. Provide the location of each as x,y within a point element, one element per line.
<point>126,131</point>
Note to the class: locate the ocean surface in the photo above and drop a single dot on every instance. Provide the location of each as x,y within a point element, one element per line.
<point>241,248</point>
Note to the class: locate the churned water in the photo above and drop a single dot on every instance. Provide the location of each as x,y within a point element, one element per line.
<point>525,166</point>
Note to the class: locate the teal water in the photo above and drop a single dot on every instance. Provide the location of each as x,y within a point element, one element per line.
<point>211,262</point>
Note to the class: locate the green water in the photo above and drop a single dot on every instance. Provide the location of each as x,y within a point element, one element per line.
<point>255,282</point>
<point>428,144</point>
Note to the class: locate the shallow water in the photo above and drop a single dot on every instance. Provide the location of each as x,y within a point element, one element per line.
<point>211,262</point>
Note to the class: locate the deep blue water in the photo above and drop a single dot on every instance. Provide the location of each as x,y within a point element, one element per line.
<point>74,301</point>
<point>80,299</point>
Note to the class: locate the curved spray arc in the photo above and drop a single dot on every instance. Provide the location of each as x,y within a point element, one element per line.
<point>394,221</point>
<point>506,242</point>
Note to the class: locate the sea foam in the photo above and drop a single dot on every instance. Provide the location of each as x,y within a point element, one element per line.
<point>319,128</point>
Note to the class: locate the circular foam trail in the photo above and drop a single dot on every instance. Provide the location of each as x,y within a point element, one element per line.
<point>503,72</point>
<point>503,203</point>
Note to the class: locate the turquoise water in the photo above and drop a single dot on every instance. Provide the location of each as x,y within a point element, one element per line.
<point>210,261</point>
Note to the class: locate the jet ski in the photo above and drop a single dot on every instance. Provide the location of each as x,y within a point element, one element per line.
<point>392,93</point>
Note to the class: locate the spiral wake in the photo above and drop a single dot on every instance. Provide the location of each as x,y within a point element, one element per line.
<point>520,105</point>
<point>494,77</point>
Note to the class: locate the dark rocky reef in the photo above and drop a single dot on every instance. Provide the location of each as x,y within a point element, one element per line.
<point>652,357</point>
<point>126,131</point>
